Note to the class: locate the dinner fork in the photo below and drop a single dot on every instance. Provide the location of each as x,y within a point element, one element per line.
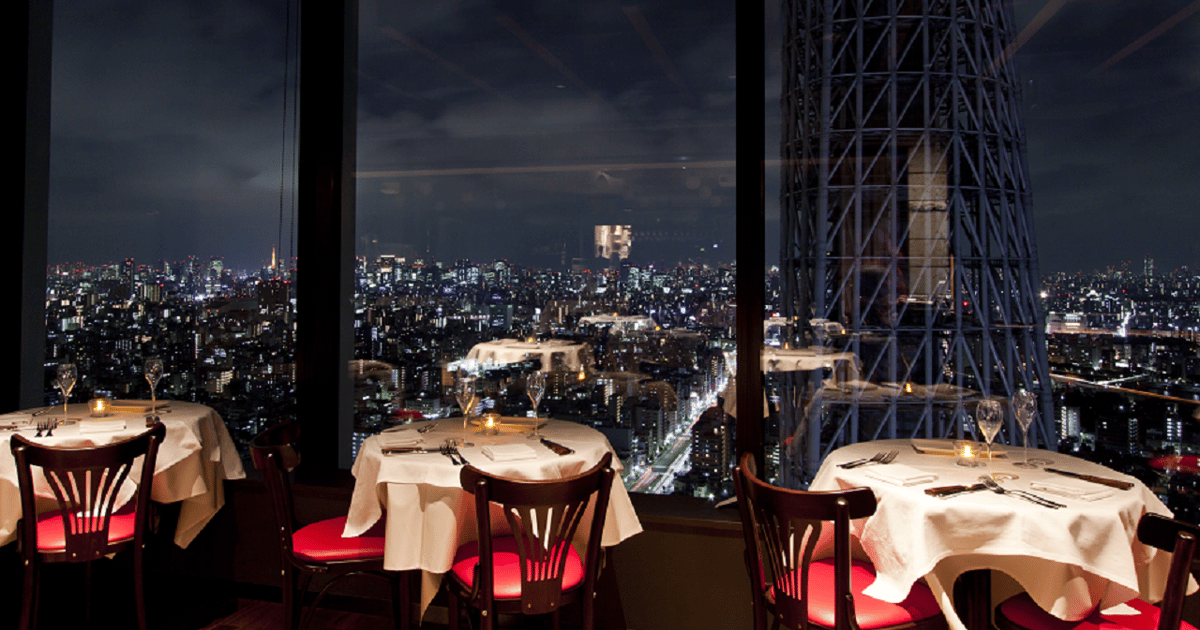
<point>995,486</point>
<point>877,457</point>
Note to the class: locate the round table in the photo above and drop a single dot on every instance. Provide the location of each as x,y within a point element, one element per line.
<point>195,458</point>
<point>1069,560</point>
<point>428,513</point>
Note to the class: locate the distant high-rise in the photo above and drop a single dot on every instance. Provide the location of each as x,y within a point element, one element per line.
<point>906,221</point>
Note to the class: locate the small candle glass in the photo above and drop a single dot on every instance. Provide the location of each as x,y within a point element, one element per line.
<point>490,423</point>
<point>99,407</point>
<point>967,453</point>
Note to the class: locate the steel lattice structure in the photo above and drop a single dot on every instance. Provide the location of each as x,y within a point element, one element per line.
<point>907,237</point>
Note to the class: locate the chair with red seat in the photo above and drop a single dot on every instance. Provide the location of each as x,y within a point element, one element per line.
<point>317,548</point>
<point>89,522</point>
<point>534,569</point>
<point>1021,613</point>
<point>781,528</point>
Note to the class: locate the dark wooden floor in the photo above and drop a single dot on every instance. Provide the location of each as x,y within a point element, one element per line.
<point>256,615</point>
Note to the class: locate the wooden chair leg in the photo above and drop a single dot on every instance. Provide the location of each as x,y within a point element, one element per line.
<point>139,592</point>
<point>29,598</point>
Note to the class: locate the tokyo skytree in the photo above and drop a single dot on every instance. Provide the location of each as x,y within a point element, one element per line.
<point>907,253</point>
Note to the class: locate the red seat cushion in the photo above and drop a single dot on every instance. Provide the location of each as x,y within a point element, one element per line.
<point>323,542</point>
<point>50,535</point>
<point>507,563</point>
<point>870,612</point>
<point>1023,611</point>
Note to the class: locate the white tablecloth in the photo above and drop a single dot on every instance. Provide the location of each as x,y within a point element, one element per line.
<point>572,356</point>
<point>808,359</point>
<point>428,513</point>
<point>194,459</point>
<point>1069,560</point>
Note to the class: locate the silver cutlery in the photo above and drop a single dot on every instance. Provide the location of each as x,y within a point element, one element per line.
<point>866,460</point>
<point>995,486</point>
<point>427,428</point>
<point>879,458</point>
<point>953,491</point>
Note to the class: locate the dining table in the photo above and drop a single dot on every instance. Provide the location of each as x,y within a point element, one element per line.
<point>1079,554</point>
<point>429,515</point>
<point>196,457</point>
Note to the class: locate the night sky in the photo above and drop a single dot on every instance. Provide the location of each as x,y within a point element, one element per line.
<point>508,129</point>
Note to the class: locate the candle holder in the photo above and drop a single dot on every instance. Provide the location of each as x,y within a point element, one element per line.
<point>968,453</point>
<point>99,407</point>
<point>489,423</point>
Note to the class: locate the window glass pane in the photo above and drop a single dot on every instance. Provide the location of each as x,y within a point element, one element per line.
<point>169,227</point>
<point>551,173</point>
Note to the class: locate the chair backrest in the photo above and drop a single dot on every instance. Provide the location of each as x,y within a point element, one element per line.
<point>543,517</point>
<point>86,483</point>
<point>1180,539</point>
<point>276,453</point>
<point>783,527</point>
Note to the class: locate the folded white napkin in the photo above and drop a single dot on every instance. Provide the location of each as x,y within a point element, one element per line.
<point>393,440</point>
<point>898,474</point>
<point>509,452</point>
<point>107,425</point>
<point>1072,491</point>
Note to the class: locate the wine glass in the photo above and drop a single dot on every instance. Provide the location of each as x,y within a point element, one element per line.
<point>464,392</point>
<point>154,372</point>
<point>535,386</point>
<point>989,417</point>
<point>67,374</point>
<point>1024,408</point>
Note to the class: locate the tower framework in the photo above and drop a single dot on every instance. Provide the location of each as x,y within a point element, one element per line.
<point>907,240</point>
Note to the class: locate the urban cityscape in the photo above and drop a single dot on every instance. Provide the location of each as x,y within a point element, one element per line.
<point>1123,349</point>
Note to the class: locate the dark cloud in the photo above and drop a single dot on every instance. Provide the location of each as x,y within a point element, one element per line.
<point>1113,135</point>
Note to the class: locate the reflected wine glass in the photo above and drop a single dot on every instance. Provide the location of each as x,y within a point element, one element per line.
<point>1024,408</point>
<point>67,374</point>
<point>989,417</point>
<point>535,386</point>
<point>464,393</point>
<point>154,372</point>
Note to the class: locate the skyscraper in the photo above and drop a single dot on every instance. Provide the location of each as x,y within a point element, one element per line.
<point>906,220</point>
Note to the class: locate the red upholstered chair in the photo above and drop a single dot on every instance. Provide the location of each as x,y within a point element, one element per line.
<point>1021,613</point>
<point>802,592</point>
<point>87,524</point>
<point>534,569</point>
<point>317,548</point>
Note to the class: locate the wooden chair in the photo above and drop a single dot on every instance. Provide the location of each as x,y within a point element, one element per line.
<point>782,527</point>
<point>317,548</point>
<point>1021,613</point>
<point>534,569</point>
<point>87,524</point>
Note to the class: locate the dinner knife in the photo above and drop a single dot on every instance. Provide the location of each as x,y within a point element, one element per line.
<point>1112,483</point>
<point>557,448</point>
<point>949,491</point>
<point>392,450</point>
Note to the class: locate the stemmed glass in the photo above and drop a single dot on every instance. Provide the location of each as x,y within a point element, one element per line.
<point>989,417</point>
<point>535,386</point>
<point>66,381</point>
<point>1024,408</point>
<point>464,392</point>
<point>154,372</point>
